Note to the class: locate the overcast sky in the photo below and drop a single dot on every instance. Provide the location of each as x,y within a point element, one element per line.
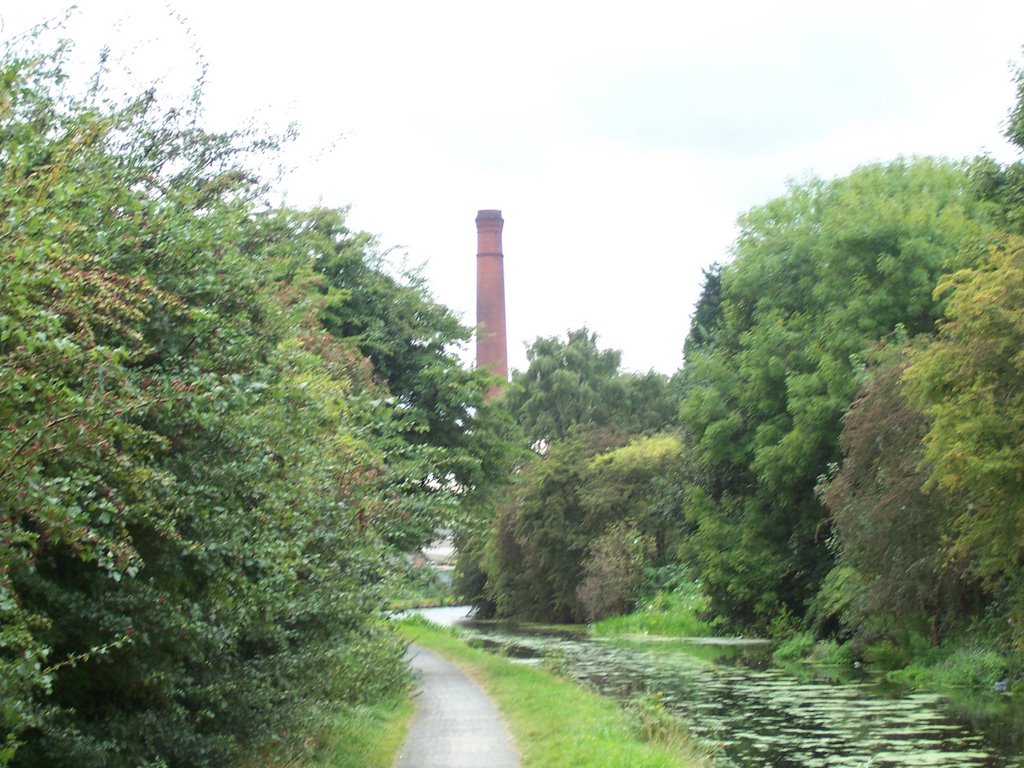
<point>620,140</point>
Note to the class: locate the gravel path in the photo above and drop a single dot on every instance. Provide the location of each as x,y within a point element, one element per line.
<point>456,725</point>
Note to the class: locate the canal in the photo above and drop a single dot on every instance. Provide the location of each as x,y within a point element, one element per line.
<point>759,715</point>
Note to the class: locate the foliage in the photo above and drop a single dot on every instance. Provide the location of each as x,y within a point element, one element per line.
<point>208,435</point>
<point>477,510</point>
<point>584,520</point>
<point>817,276</point>
<point>534,553</point>
<point>707,314</point>
<point>831,653</point>
<point>638,482</point>
<point>887,528</point>
<point>968,380</point>
<point>673,610</point>
<point>573,384</point>
<point>797,647</point>
<point>731,550</point>
<point>1015,126</point>
<point>424,411</point>
<point>964,667</point>
<point>612,572</point>
<point>527,550</point>
<point>412,584</point>
<point>362,736</point>
<point>657,724</point>
<point>411,340</point>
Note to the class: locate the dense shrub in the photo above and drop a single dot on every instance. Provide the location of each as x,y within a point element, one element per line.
<point>613,572</point>
<point>196,472</point>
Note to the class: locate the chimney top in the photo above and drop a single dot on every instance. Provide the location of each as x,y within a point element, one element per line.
<point>488,214</point>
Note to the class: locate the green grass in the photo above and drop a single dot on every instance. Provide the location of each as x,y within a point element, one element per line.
<point>671,613</point>
<point>357,737</point>
<point>797,647</point>
<point>963,667</point>
<point>365,737</point>
<point>556,723</point>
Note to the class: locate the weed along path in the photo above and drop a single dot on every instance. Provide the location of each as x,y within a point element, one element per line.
<point>456,725</point>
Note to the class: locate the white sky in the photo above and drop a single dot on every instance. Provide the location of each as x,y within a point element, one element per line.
<point>620,140</point>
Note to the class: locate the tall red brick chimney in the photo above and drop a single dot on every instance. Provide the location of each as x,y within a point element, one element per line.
<point>491,347</point>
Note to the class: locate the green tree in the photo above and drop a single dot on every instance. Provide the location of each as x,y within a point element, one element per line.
<point>191,494</point>
<point>526,554</point>
<point>636,483</point>
<point>423,407</point>
<point>1004,185</point>
<point>573,384</point>
<point>889,530</point>
<point>708,312</point>
<point>968,380</point>
<point>817,276</point>
<point>1015,126</point>
<point>539,537</point>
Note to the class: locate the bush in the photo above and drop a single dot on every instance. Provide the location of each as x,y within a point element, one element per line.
<point>673,612</point>
<point>885,655</point>
<point>797,648</point>
<point>654,722</point>
<point>612,572</point>
<point>833,654</point>
<point>962,668</point>
<point>193,481</point>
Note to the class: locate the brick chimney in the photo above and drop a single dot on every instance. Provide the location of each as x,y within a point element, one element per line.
<point>491,347</point>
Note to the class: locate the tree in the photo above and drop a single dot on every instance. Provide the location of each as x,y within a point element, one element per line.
<point>573,384</point>
<point>968,380</point>
<point>539,537</point>
<point>525,555</point>
<point>1004,185</point>
<point>424,405</point>
<point>889,530</point>
<point>708,312</point>
<point>635,484</point>
<point>1015,125</point>
<point>192,490</point>
<point>612,572</point>
<point>818,275</point>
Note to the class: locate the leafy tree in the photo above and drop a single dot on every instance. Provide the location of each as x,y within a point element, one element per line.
<point>566,385</point>
<point>613,572</point>
<point>552,551</point>
<point>505,453</point>
<point>1004,185</point>
<point>708,312</point>
<point>817,276</point>
<point>889,531</point>
<point>539,537</point>
<point>423,406</point>
<point>195,481</point>
<point>526,554</point>
<point>733,547</point>
<point>573,384</point>
<point>1015,126</point>
<point>969,383</point>
<point>637,483</point>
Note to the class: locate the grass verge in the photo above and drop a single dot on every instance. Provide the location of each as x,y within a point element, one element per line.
<point>365,737</point>
<point>357,737</point>
<point>554,721</point>
<point>670,613</point>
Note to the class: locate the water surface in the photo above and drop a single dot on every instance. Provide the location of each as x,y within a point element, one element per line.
<point>763,716</point>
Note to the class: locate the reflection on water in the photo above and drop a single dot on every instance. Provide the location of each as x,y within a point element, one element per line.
<point>766,717</point>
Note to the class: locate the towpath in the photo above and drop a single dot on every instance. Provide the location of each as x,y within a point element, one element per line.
<point>455,725</point>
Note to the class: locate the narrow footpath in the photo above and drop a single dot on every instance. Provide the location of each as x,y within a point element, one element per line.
<point>455,725</point>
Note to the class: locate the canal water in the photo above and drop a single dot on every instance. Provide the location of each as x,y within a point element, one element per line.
<point>761,716</point>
